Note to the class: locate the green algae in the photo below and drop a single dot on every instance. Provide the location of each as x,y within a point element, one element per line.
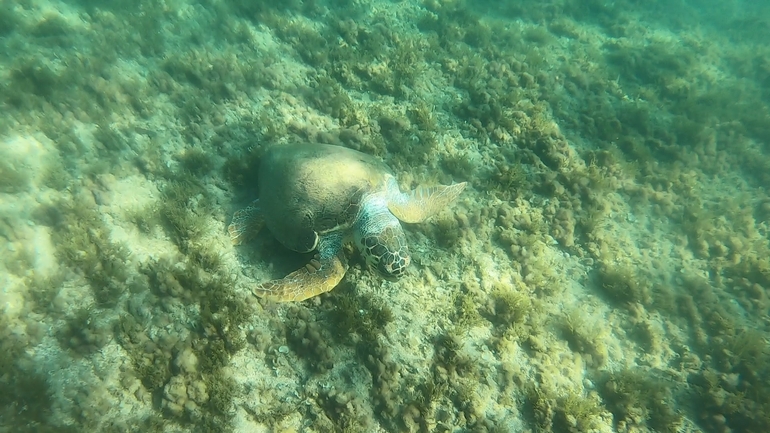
<point>12,179</point>
<point>623,285</point>
<point>29,400</point>
<point>491,82</point>
<point>627,392</point>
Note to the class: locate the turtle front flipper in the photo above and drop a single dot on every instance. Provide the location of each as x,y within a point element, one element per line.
<point>422,202</point>
<point>321,275</point>
<point>246,223</point>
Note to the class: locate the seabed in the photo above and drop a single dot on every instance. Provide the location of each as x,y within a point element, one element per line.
<point>607,269</point>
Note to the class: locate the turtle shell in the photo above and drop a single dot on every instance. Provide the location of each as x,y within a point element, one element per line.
<point>306,190</point>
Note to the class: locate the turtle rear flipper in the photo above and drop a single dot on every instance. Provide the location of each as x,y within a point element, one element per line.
<point>321,275</point>
<point>422,202</point>
<point>246,223</point>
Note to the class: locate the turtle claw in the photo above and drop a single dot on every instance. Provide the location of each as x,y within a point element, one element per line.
<point>246,223</point>
<point>318,276</point>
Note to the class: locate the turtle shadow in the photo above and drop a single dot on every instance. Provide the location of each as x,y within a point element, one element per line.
<point>266,258</point>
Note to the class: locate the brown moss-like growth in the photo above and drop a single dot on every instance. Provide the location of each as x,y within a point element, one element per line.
<point>453,381</point>
<point>184,208</point>
<point>222,390</point>
<point>577,413</point>
<point>346,411</point>
<point>510,180</point>
<point>540,407</point>
<point>584,338</point>
<point>635,395</point>
<point>387,383</point>
<point>310,340</point>
<point>242,171</point>
<point>85,332</point>
<point>27,398</point>
<point>447,233</point>
<point>466,312</point>
<point>623,285</point>
<point>510,311</point>
<point>721,406</point>
<point>359,317</point>
<point>82,242</point>
<point>196,161</point>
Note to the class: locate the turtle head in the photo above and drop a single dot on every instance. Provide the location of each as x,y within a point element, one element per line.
<point>382,242</point>
<point>386,251</point>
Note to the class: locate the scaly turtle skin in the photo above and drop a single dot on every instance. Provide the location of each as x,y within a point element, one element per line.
<point>319,197</point>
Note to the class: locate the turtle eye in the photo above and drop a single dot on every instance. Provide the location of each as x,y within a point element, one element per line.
<point>379,251</point>
<point>370,242</point>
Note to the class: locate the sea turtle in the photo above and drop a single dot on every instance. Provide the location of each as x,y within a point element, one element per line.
<point>317,197</point>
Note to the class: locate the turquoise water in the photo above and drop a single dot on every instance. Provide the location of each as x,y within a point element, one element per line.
<point>606,269</point>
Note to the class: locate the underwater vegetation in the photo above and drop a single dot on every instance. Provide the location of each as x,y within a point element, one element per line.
<point>608,270</point>
<point>28,399</point>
